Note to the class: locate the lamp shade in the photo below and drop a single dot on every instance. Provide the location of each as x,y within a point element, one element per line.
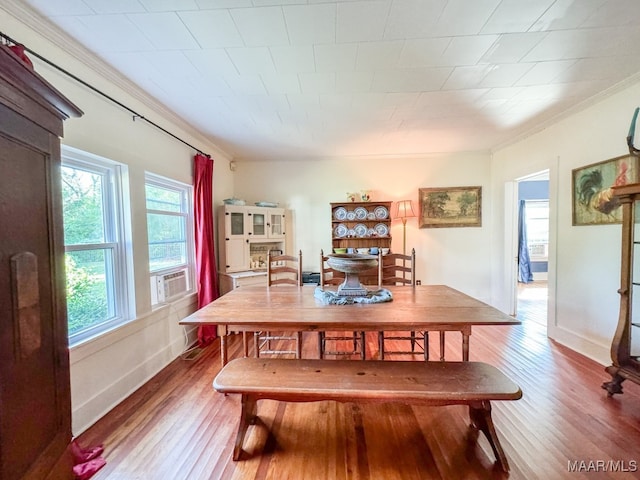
<point>404,209</point>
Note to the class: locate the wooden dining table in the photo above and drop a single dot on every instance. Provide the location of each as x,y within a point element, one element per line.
<point>420,308</point>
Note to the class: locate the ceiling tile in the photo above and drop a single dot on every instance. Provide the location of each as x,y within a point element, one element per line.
<point>169,5</point>
<point>108,33</point>
<point>303,101</point>
<point>546,72</point>
<point>61,7</point>
<point>566,14</point>
<point>467,50</point>
<point>165,30</point>
<point>317,82</point>
<point>252,60</point>
<point>466,77</point>
<point>335,58</point>
<point>311,24</point>
<point>115,6</point>
<point>462,17</point>
<point>213,28</point>
<point>380,100</point>
<point>413,18</point>
<point>614,68</point>
<point>361,21</point>
<point>449,97</point>
<point>588,43</point>
<point>293,59</point>
<point>245,84</point>
<point>207,4</point>
<point>378,55</point>
<point>350,82</point>
<point>281,83</point>
<point>212,62</point>
<point>515,16</point>
<point>505,75</point>
<point>617,13</point>
<point>512,47</point>
<point>410,80</point>
<point>422,52</point>
<point>263,26</point>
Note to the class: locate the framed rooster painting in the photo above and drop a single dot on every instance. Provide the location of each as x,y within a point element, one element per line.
<point>593,201</point>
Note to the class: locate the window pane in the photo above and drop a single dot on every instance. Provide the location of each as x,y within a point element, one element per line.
<point>159,198</point>
<point>89,295</point>
<point>167,241</point>
<point>83,209</point>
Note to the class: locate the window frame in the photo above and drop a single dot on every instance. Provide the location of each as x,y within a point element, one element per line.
<point>117,239</point>
<point>186,192</point>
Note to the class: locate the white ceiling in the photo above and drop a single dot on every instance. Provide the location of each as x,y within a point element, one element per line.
<point>316,78</point>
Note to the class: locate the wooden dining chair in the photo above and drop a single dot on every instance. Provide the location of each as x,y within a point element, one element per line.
<point>281,270</point>
<point>329,276</point>
<point>399,269</point>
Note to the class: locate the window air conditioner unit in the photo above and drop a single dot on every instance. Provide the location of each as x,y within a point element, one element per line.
<point>170,285</point>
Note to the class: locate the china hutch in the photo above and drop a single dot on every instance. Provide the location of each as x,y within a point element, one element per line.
<point>625,348</point>
<point>35,393</point>
<point>361,225</point>
<point>358,225</point>
<point>246,234</point>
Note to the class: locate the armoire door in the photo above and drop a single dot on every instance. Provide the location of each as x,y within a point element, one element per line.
<point>35,399</point>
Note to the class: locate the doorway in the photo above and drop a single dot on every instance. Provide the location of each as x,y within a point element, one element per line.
<point>533,248</point>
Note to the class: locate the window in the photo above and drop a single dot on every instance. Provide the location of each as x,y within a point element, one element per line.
<point>95,237</point>
<point>170,233</point>
<point>537,218</point>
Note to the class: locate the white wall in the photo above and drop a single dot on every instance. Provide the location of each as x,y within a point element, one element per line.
<point>453,256</point>
<point>106,370</point>
<point>584,261</point>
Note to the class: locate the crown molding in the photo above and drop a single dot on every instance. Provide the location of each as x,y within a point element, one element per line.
<point>577,108</point>
<point>52,34</point>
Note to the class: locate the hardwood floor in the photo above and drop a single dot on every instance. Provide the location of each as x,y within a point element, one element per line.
<point>176,427</point>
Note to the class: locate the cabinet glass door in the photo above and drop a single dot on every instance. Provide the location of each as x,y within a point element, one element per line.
<point>259,224</point>
<point>634,301</point>
<point>237,223</point>
<point>276,227</point>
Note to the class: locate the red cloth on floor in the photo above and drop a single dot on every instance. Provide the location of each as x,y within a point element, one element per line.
<point>87,461</point>
<point>86,470</point>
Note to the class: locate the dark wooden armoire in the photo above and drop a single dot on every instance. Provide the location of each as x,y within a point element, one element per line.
<point>35,400</point>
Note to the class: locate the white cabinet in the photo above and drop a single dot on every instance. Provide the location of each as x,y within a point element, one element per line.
<point>231,281</point>
<point>246,234</point>
<point>265,223</point>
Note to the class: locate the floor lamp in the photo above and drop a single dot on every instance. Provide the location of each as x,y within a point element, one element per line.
<point>404,210</point>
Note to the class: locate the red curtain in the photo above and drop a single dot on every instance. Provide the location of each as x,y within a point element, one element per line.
<point>206,272</point>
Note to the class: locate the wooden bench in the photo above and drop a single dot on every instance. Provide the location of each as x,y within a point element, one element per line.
<point>407,382</point>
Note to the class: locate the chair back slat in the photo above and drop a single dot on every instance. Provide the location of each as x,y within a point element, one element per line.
<point>329,276</point>
<point>397,269</point>
<point>284,269</point>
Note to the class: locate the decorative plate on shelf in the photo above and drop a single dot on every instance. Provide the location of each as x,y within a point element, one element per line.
<point>371,232</point>
<point>381,212</point>
<point>381,229</point>
<point>371,216</point>
<point>360,229</point>
<point>351,215</point>
<point>340,213</point>
<point>351,232</point>
<point>340,231</point>
<point>361,213</point>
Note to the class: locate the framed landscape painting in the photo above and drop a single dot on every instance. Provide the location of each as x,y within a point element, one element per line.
<point>592,195</point>
<point>450,207</point>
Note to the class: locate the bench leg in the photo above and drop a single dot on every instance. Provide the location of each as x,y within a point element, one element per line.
<point>480,414</point>
<point>247,417</point>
